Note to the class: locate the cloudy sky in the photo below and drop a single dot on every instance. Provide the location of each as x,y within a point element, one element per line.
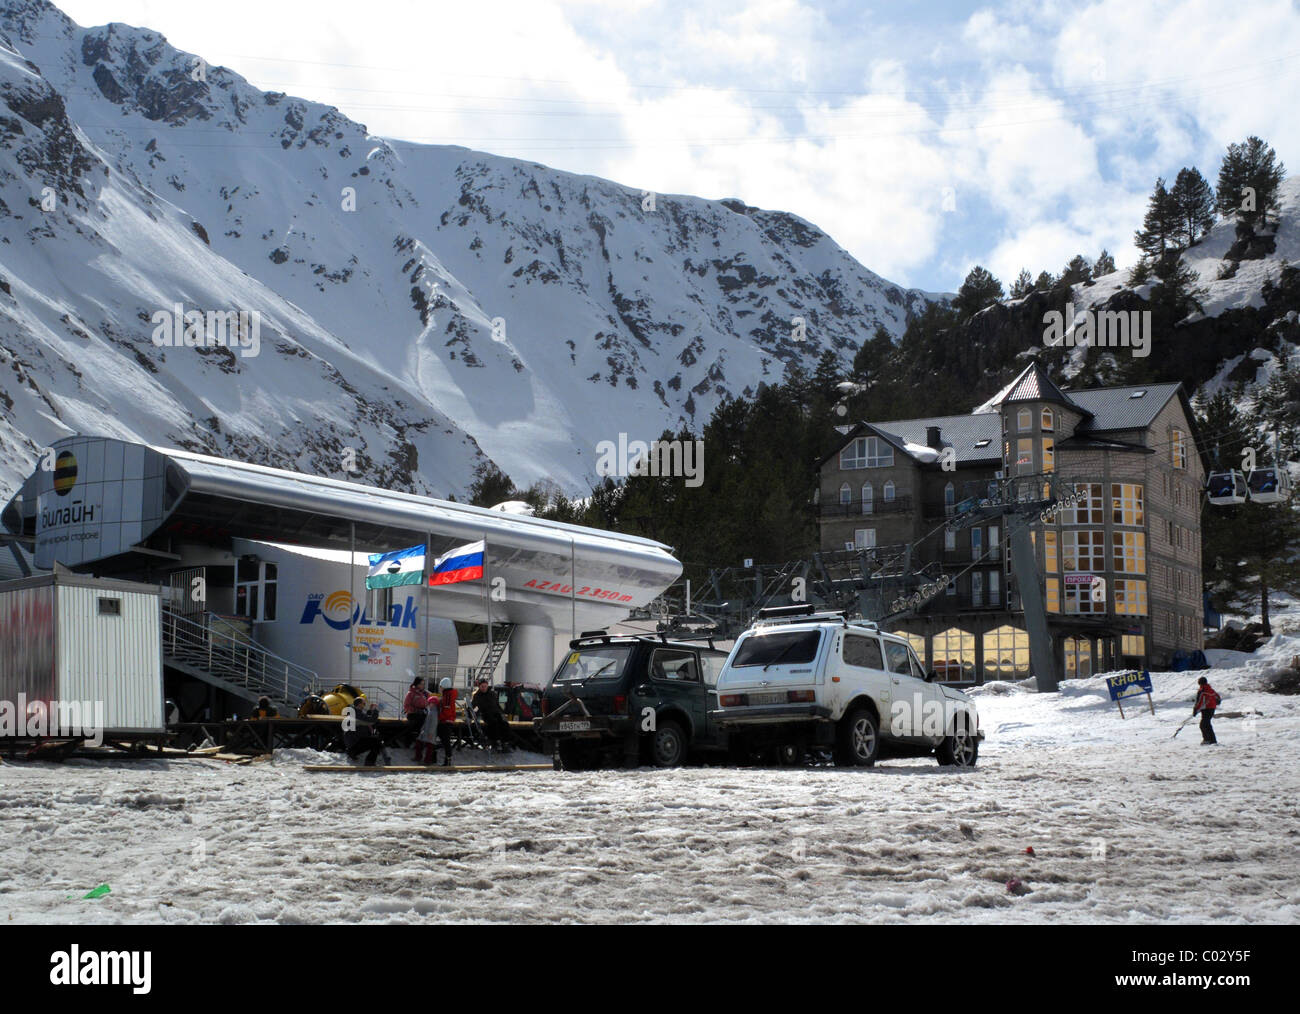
<point>925,138</point>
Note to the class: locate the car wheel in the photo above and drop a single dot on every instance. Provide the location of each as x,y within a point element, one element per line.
<point>959,750</point>
<point>668,745</point>
<point>859,739</point>
<point>791,755</point>
<point>571,757</point>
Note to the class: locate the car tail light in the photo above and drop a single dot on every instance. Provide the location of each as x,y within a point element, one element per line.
<point>731,700</point>
<point>801,696</point>
<point>620,704</point>
<point>546,706</point>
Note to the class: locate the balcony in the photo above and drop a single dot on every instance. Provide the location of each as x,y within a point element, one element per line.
<point>853,508</point>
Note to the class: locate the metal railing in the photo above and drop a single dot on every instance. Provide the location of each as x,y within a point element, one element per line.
<point>868,508</point>
<point>218,647</point>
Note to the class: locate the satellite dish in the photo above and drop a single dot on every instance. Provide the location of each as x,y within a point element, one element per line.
<point>520,507</point>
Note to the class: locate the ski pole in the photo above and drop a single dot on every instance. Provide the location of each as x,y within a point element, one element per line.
<point>1186,722</point>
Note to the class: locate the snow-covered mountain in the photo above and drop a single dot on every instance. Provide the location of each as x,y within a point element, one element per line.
<point>428,306</point>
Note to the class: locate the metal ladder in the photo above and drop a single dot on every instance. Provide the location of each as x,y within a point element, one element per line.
<point>492,654</point>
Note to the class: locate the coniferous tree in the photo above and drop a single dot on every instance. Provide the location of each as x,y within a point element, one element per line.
<point>1159,226</point>
<point>1023,285</point>
<point>979,290</point>
<point>1078,270</point>
<point>1105,264</point>
<point>1044,281</point>
<point>1194,199</point>
<point>491,486</point>
<point>1250,174</point>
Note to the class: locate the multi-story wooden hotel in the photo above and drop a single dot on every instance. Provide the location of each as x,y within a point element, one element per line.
<point>1129,452</point>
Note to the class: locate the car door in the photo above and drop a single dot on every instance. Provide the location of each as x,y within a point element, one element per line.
<point>933,717</point>
<point>675,676</point>
<point>909,692</point>
<point>864,669</point>
<point>710,667</point>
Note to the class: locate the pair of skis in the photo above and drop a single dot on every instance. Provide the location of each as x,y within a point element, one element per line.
<point>1185,724</point>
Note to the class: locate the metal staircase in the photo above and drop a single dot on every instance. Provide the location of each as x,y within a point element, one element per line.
<point>492,654</point>
<point>210,648</point>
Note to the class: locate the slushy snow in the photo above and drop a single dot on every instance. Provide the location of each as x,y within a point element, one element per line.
<point>1127,824</point>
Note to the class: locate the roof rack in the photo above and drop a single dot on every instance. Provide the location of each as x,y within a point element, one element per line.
<point>805,614</point>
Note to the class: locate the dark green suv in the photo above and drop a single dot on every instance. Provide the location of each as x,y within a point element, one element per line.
<point>625,700</point>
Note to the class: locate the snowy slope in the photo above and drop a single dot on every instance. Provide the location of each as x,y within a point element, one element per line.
<point>1127,824</point>
<point>379,268</point>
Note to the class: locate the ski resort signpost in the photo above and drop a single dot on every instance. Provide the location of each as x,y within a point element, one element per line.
<point>1129,684</point>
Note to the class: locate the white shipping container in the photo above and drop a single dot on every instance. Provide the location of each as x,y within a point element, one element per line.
<point>68,637</point>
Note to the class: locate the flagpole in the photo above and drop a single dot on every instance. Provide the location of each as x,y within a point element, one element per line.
<point>424,592</point>
<point>352,591</point>
<point>487,597</point>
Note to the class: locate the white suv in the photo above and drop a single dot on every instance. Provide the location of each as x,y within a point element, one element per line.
<point>799,679</point>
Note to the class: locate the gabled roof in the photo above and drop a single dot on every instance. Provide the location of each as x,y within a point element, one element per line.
<point>1033,384</point>
<point>960,432</point>
<point>1124,408</point>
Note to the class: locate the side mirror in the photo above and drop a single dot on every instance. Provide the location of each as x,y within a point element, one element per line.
<point>931,676</point>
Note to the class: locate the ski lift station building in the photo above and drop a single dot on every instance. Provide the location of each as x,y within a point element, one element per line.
<point>246,554</point>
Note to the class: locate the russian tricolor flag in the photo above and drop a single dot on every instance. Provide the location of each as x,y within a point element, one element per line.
<point>464,563</point>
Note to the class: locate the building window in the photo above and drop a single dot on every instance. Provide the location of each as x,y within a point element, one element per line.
<point>995,544</point>
<point>1084,551</point>
<point>1053,595</point>
<point>977,589</point>
<point>1079,600</point>
<point>1006,653</point>
<point>1179,449</point>
<point>949,498</point>
<point>976,543</point>
<point>994,578</point>
<point>1048,421</point>
<point>1049,455</point>
<point>1131,597</point>
<point>1088,510</point>
<point>381,604</point>
<point>1132,645</point>
<point>949,540</point>
<point>865,538</point>
<point>953,654</point>
<point>1051,563</point>
<point>1024,420</point>
<point>846,494</point>
<point>1129,552</point>
<point>868,498</point>
<point>1126,504</point>
<point>255,590</point>
<point>889,491</point>
<point>1024,456</point>
<point>867,452</point>
<point>1078,658</point>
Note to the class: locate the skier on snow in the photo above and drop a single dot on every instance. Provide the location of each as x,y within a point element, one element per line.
<point>1207,699</point>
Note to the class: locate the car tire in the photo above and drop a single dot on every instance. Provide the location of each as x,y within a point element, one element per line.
<point>571,757</point>
<point>668,744</point>
<point>959,749</point>
<point>858,742</point>
<point>791,755</point>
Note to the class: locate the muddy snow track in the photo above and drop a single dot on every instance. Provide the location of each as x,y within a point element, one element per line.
<point>1128,834</point>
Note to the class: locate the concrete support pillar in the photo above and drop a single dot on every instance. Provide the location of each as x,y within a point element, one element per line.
<point>531,657</point>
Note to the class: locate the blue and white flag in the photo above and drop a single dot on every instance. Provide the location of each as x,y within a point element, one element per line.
<point>387,570</point>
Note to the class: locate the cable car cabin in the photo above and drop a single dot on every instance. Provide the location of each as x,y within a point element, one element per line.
<point>1269,485</point>
<point>1227,489</point>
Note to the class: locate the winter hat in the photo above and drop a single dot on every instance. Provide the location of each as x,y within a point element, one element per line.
<point>446,683</point>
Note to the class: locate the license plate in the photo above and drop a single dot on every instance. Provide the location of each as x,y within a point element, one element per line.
<point>576,725</point>
<point>767,698</point>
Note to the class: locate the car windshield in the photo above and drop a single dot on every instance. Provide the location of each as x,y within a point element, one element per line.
<point>780,648</point>
<point>602,663</point>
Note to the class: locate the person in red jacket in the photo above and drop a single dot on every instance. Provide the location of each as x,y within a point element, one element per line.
<point>1207,699</point>
<point>446,716</point>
